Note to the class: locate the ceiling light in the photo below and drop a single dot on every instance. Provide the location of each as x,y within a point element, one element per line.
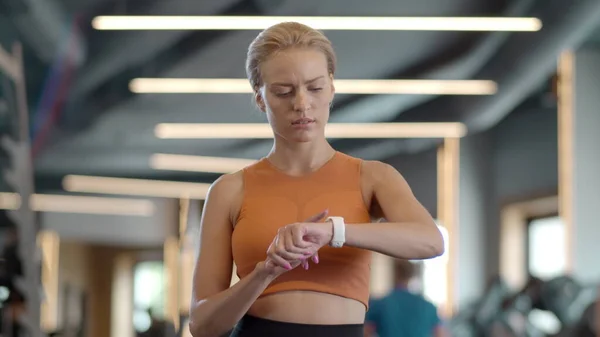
<point>141,187</point>
<point>332,130</point>
<point>317,22</point>
<point>9,65</point>
<point>175,162</point>
<point>10,201</point>
<point>79,204</point>
<point>242,86</point>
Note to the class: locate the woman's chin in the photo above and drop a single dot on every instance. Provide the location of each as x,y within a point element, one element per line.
<point>302,139</point>
<point>300,135</point>
<point>304,136</point>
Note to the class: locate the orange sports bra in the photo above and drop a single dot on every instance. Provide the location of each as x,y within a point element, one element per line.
<point>273,199</point>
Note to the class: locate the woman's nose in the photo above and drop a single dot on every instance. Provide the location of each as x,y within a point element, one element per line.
<point>301,101</point>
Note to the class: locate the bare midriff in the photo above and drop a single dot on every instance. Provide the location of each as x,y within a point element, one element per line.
<point>308,307</point>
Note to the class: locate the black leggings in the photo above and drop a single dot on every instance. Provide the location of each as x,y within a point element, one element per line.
<point>250,326</point>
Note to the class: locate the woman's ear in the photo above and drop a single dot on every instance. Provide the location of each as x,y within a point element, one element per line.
<point>332,86</point>
<point>260,102</point>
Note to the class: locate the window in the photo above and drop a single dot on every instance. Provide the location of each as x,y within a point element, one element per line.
<point>546,259</point>
<point>148,293</point>
<point>435,273</point>
<point>546,256</point>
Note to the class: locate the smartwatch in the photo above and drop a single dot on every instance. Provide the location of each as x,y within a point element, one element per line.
<point>339,231</point>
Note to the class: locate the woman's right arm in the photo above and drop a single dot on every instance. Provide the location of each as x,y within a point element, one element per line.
<point>216,307</point>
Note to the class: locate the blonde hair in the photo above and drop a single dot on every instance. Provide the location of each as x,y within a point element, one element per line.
<point>284,36</point>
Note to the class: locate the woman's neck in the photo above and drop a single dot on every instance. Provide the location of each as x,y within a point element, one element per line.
<point>300,157</point>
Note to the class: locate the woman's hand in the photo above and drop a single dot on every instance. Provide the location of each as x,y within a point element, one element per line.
<point>296,243</point>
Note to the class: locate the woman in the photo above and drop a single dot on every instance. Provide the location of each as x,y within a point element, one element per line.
<point>297,223</point>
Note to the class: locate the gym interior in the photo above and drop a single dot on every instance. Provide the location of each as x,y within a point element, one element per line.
<point>114,127</point>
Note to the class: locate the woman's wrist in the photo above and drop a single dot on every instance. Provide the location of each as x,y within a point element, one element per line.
<point>263,273</point>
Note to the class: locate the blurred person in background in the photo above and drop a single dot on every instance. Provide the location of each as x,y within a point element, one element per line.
<point>403,313</point>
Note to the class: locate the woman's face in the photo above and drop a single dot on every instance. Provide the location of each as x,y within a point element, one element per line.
<point>296,94</point>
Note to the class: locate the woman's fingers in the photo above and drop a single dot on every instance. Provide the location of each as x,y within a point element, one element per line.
<point>315,257</point>
<point>318,217</point>
<point>294,236</point>
<point>274,258</point>
<point>283,248</point>
<point>305,264</point>
<point>281,257</point>
<point>289,249</point>
<point>280,261</point>
<point>293,242</point>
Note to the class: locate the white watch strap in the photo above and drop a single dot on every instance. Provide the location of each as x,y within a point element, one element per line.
<point>339,231</point>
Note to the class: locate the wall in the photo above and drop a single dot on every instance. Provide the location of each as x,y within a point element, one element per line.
<point>100,299</point>
<point>420,171</point>
<point>75,271</point>
<point>586,168</point>
<point>525,165</point>
<point>92,268</point>
<point>116,230</point>
<point>475,201</point>
<point>74,264</point>
<point>526,154</point>
<point>515,160</point>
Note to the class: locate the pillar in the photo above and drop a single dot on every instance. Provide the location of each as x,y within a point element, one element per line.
<point>474,192</point>
<point>579,159</point>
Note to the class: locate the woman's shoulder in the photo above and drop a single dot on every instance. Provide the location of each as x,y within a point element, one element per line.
<point>226,193</point>
<point>375,170</point>
<point>369,166</point>
<point>227,184</point>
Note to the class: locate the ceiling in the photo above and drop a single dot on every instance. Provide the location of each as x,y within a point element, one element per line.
<point>98,127</point>
<point>594,38</point>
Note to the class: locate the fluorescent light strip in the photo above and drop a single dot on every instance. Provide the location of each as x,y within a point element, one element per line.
<point>524,24</point>
<point>49,243</point>
<point>9,65</point>
<point>175,162</point>
<point>338,130</point>
<point>9,201</point>
<point>242,86</point>
<point>79,204</point>
<point>141,187</point>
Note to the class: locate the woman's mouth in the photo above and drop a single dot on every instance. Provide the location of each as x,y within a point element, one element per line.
<point>303,121</point>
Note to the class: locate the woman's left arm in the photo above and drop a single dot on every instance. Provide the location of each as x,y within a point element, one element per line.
<point>409,233</point>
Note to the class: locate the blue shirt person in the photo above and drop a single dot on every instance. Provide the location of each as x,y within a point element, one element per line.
<point>402,313</point>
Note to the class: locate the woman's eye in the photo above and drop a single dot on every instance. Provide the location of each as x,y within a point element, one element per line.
<point>282,94</point>
<point>315,89</point>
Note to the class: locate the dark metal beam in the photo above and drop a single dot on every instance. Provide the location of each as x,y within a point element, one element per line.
<point>97,96</point>
<point>519,67</point>
<point>43,25</point>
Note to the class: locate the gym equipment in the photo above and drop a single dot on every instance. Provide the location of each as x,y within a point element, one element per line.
<point>490,304</point>
<point>462,323</point>
<point>474,319</point>
<point>589,317</point>
<point>585,327</point>
<point>512,320</point>
<point>19,177</point>
<point>513,323</point>
<point>560,296</point>
<point>502,313</point>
